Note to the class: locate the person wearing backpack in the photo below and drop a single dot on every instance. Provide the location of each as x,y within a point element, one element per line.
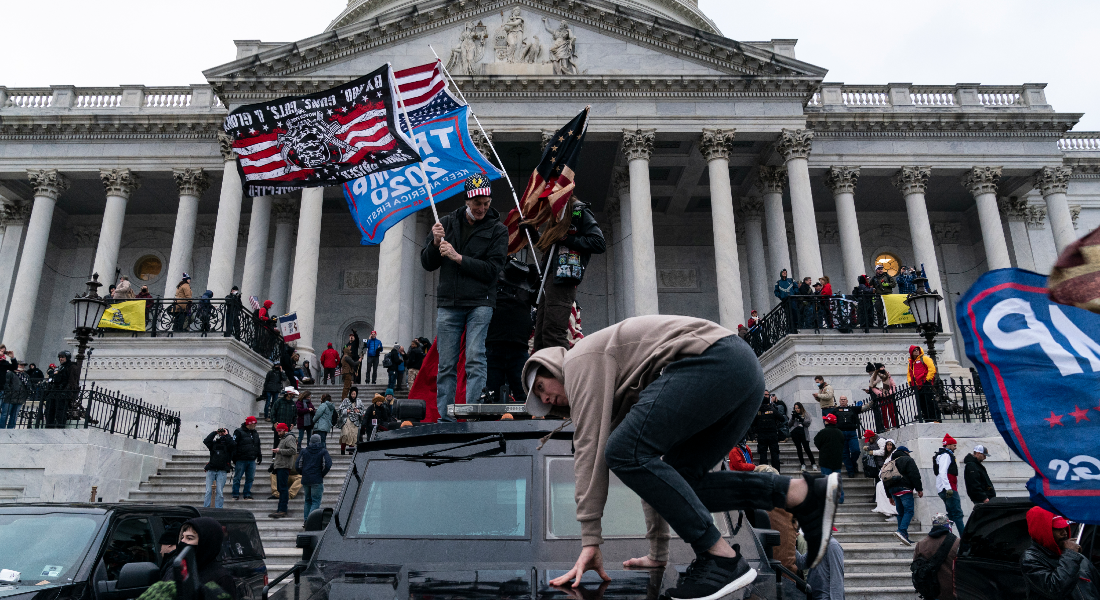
<point>933,565</point>
<point>947,480</point>
<point>901,477</point>
<point>391,363</point>
<point>324,418</point>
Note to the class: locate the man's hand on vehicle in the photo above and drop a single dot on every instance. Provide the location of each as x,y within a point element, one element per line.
<point>643,562</point>
<point>590,560</point>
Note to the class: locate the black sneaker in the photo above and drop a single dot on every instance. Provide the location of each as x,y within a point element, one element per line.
<point>710,577</point>
<point>817,513</point>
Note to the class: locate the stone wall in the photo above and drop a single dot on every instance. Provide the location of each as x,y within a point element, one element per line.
<point>62,465</point>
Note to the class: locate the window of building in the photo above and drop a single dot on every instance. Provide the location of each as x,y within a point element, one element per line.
<point>888,262</point>
<point>147,267</point>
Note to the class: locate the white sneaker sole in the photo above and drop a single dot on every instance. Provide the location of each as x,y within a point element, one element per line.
<point>832,494</point>
<point>729,588</point>
<point>902,539</point>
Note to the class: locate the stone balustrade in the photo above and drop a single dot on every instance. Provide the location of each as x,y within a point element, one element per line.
<point>838,96</point>
<point>1080,141</point>
<point>133,97</point>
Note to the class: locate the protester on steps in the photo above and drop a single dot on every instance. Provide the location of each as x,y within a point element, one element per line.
<point>351,413</point>
<point>881,388</point>
<point>273,384</point>
<point>246,455</point>
<point>348,365</point>
<point>978,485</point>
<point>930,545</point>
<point>285,411</point>
<point>283,460</point>
<point>313,464</point>
<point>784,287</point>
<point>17,390</point>
<point>766,426</point>
<point>182,304</point>
<point>847,421</point>
<point>374,351</point>
<point>874,446</point>
<point>883,504</point>
<point>1053,566</point>
<point>392,362</point>
<point>799,426</point>
<point>62,390</point>
<point>221,447</point>
<point>324,417</point>
<point>305,410</point>
<point>824,396</point>
<point>826,579</point>
<point>946,471</point>
<point>413,361</point>
<point>922,376</point>
<point>207,535</point>
<point>901,482</point>
<point>330,359</point>
<point>830,447</point>
<point>740,458</point>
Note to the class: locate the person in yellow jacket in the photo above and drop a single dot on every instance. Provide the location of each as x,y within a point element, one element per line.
<point>922,377</point>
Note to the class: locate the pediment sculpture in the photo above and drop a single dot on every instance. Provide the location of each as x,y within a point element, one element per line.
<point>514,51</point>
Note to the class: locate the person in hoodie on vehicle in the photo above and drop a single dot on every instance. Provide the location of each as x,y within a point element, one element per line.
<point>978,485</point>
<point>206,535</point>
<point>313,464</point>
<point>1053,566</point>
<point>468,247</point>
<point>246,455</point>
<point>922,376</point>
<point>659,400</point>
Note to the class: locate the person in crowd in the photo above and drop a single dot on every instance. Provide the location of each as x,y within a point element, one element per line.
<point>799,426</point>
<point>285,411</point>
<point>905,280</point>
<point>742,332</point>
<point>348,366</point>
<point>207,536</point>
<point>283,461</point>
<point>603,385</point>
<point>401,368</point>
<point>883,504</point>
<point>222,448</point>
<point>754,318</point>
<point>826,293</point>
<point>873,455</point>
<point>572,241</point>
<point>413,360</point>
<point>8,363</point>
<point>354,344</point>
<point>145,295</point>
<point>901,481</point>
<point>247,453</point>
<point>784,287</point>
<point>882,282</point>
<point>234,309</point>
<point>313,464</point>
<point>324,417</point>
<point>34,373</point>
<point>168,542</point>
<point>204,310</point>
<point>468,247</point>
<point>928,549</point>
<point>827,578</point>
<point>806,305</point>
<point>50,370</point>
<point>377,414</point>
<point>351,414</point>
<point>294,481</point>
<point>740,458</point>
<point>847,421</point>
<point>824,395</point>
<point>181,306</point>
<point>62,389</point>
<point>111,292</point>
<point>881,388</point>
<point>510,330</point>
<point>766,426</point>
<point>392,361</point>
<point>783,522</point>
<point>373,355</point>
<point>330,359</point>
<point>286,360</point>
<point>946,471</point>
<point>978,485</point>
<point>865,307</point>
<point>830,446</point>
<point>922,376</point>
<point>267,315</point>
<point>17,390</point>
<point>307,373</point>
<point>123,291</point>
<point>273,384</point>
<point>1053,565</point>
<point>305,411</point>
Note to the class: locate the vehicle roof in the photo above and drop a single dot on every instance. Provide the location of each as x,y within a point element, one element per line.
<point>102,508</point>
<point>443,432</point>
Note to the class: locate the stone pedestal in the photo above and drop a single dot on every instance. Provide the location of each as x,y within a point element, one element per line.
<point>213,382</point>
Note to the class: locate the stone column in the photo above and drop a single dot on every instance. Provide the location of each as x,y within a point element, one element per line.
<point>779,256</point>
<point>392,309</point>
<point>638,147</point>
<point>612,272</point>
<point>625,238</point>
<point>913,181</point>
<point>731,305</point>
<point>842,181</point>
<point>119,184</point>
<point>191,184</point>
<point>286,214</point>
<point>1015,211</point>
<point>48,186</point>
<point>1053,182</point>
<point>303,294</point>
<point>794,146</point>
<point>223,255</point>
<point>752,210</point>
<point>15,219</point>
<point>982,182</point>
<point>255,254</point>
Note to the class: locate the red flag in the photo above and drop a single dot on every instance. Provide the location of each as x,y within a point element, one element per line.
<point>425,385</point>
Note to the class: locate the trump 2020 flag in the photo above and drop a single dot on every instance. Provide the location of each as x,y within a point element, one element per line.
<point>124,315</point>
<point>288,327</point>
<point>1040,369</point>
<point>323,139</point>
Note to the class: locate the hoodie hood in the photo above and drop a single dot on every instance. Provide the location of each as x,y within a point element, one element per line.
<point>920,352</point>
<point>210,540</point>
<point>1040,526</point>
<point>553,360</point>
<point>315,442</point>
<point>268,304</point>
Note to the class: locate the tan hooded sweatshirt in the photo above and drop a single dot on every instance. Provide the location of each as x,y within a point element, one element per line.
<point>603,375</point>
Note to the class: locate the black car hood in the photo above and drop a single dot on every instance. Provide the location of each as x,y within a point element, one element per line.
<point>27,591</point>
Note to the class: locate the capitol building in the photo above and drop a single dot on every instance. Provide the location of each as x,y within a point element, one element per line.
<point>710,163</point>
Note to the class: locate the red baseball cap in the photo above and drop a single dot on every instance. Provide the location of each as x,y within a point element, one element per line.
<point>830,419</point>
<point>1059,522</point>
<point>249,420</point>
<point>281,427</point>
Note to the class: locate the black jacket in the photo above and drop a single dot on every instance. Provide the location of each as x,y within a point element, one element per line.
<point>1059,577</point>
<point>766,423</point>
<point>830,446</point>
<point>222,449</point>
<point>847,417</point>
<point>273,382</point>
<point>395,360</point>
<point>284,411</point>
<point>978,485</point>
<point>798,426</point>
<point>511,323</point>
<point>314,463</point>
<point>583,237</point>
<point>472,283</point>
<point>910,474</point>
<point>414,358</point>
<point>5,366</point>
<point>63,377</point>
<point>248,444</point>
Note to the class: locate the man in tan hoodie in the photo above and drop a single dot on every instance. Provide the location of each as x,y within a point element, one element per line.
<point>660,400</point>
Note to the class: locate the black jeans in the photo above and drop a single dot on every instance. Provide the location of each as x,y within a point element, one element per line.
<point>505,365</point>
<point>371,376</point>
<point>800,444</point>
<point>762,448</point>
<point>282,483</point>
<point>684,423</point>
<point>552,320</point>
<point>926,403</point>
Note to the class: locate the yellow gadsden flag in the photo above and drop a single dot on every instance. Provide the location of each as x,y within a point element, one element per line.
<point>124,315</point>
<point>897,312</point>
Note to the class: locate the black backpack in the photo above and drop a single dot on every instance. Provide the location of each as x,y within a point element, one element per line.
<point>926,580</point>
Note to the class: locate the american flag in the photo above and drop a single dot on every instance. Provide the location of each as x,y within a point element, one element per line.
<point>254,302</point>
<point>424,90</point>
<point>576,334</point>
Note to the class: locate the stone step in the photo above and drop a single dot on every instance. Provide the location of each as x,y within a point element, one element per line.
<point>877,551</point>
<point>873,565</point>
<point>887,577</point>
<point>878,537</point>
<point>880,593</point>
<point>867,518</point>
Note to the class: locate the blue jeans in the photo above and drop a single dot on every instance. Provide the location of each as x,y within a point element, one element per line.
<point>219,478</point>
<point>248,469</point>
<point>851,452</point>
<point>282,483</point>
<point>271,396</point>
<point>305,432</point>
<point>392,382</point>
<point>904,504</point>
<point>312,495</point>
<point>8,415</point>
<point>826,472</point>
<point>954,510</point>
<point>450,322</point>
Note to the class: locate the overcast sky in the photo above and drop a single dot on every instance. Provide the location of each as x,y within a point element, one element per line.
<point>113,42</point>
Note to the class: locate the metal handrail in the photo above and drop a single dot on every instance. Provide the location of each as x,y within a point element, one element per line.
<point>48,405</point>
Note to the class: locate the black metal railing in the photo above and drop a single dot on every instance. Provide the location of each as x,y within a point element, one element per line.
<point>93,407</point>
<point>205,317</point>
<point>811,314</point>
<point>951,400</point>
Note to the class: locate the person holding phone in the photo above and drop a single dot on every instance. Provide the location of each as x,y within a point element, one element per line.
<point>221,446</point>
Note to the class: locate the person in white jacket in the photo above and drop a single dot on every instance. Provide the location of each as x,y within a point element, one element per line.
<point>882,501</point>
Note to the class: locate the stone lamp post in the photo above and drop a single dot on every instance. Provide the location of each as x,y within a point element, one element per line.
<point>925,307</point>
<point>88,308</point>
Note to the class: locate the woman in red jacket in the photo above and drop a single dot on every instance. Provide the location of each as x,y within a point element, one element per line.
<point>741,458</point>
<point>826,302</point>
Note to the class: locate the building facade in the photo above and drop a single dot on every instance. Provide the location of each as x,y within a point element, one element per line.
<point>711,164</point>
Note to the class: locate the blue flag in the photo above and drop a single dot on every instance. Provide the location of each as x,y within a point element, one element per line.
<point>381,200</point>
<point>1040,369</point>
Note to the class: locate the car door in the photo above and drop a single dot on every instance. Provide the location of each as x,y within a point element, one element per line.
<point>131,540</point>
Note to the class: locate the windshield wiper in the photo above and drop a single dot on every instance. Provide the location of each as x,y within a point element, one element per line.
<point>436,457</point>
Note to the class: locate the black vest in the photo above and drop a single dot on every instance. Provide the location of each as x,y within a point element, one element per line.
<point>953,469</point>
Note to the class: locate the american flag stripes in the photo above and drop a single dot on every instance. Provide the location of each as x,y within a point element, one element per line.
<point>424,91</point>
<point>254,302</point>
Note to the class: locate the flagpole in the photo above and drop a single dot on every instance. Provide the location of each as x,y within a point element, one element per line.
<point>412,136</point>
<point>546,273</point>
<point>489,141</point>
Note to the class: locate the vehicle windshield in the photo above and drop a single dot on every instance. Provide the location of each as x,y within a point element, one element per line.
<point>484,498</point>
<point>45,548</point>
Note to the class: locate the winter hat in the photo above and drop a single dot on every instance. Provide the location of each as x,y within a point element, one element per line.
<point>186,277</point>
<point>330,344</point>
<point>389,391</point>
<point>282,427</point>
<point>942,520</point>
<point>378,398</point>
<point>870,367</point>
<point>249,420</point>
<point>980,449</point>
<point>478,185</point>
<point>315,439</point>
<point>904,449</point>
<point>948,440</point>
<point>374,333</point>
<point>289,390</point>
<point>829,419</point>
<point>868,434</point>
<point>211,535</point>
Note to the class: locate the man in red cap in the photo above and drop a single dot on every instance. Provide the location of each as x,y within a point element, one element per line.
<point>830,446</point>
<point>947,480</point>
<point>283,459</point>
<point>330,359</point>
<point>374,350</point>
<point>246,455</point>
<point>1053,565</point>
